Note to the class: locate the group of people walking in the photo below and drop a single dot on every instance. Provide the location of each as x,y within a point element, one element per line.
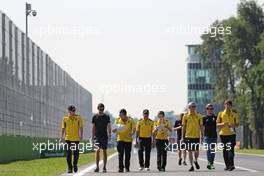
<point>192,130</point>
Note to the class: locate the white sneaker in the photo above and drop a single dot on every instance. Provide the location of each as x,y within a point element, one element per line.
<point>147,169</point>
<point>141,168</point>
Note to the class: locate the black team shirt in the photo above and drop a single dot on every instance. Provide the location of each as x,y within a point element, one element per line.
<point>101,123</point>
<point>209,123</point>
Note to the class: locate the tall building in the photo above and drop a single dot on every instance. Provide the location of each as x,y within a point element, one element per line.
<point>34,94</point>
<point>200,80</point>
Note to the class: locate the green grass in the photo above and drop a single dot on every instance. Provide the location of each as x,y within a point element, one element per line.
<point>45,167</point>
<point>251,151</point>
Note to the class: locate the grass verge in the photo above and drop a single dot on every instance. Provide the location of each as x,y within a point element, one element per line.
<point>43,167</point>
<point>251,151</point>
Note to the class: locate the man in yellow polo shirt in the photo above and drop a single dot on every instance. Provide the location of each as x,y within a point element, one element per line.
<point>124,128</point>
<point>227,121</point>
<point>161,131</point>
<point>191,133</point>
<point>72,133</point>
<point>144,140</point>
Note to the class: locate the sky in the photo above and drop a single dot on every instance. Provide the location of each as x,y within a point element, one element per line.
<point>128,53</point>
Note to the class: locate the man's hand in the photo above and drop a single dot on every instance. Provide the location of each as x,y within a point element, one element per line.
<point>114,130</point>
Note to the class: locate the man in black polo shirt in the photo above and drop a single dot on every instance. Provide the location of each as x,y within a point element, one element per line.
<point>210,135</point>
<point>101,132</point>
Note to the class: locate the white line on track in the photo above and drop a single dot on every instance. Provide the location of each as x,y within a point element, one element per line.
<point>260,155</point>
<point>238,167</point>
<point>88,169</point>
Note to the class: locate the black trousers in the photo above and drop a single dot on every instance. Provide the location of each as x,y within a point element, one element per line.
<point>229,142</point>
<point>161,153</point>
<point>72,148</point>
<point>144,146</point>
<point>124,148</point>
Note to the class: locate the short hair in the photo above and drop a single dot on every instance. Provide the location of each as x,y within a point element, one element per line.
<point>191,104</point>
<point>228,102</point>
<point>209,106</point>
<point>123,111</point>
<point>100,105</point>
<point>145,111</point>
<point>161,113</point>
<point>72,108</point>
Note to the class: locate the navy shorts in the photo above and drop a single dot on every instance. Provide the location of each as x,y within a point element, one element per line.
<point>102,143</point>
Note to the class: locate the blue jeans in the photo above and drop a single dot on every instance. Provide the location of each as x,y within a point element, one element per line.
<point>211,143</point>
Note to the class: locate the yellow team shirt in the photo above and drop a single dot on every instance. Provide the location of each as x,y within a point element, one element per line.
<point>72,126</point>
<point>125,135</point>
<point>162,133</point>
<point>231,118</point>
<point>192,125</point>
<point>145,128</point>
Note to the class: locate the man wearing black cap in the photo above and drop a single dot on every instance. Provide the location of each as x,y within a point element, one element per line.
<point>101,132</point>
<point>144,130</point>
<point>72,133</point>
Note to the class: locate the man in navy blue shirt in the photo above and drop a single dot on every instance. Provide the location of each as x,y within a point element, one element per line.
<point>210,135</point>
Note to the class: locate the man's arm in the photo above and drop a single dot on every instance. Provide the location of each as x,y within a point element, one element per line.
<point>81,133</point>
<point>109,128</point>
<point>62,134</point>
<point>183,131</point>
<point>93,131</point>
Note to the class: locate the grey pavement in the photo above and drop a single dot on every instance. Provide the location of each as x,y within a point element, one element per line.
<point>246,165</point>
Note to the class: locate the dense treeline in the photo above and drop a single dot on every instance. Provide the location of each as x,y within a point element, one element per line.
<point>240,67</point>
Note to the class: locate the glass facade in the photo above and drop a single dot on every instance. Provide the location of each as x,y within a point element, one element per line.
<point>200,80</point>
<point>34,91</point>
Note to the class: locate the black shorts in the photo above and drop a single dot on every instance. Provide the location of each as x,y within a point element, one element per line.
<point>192,144</point>
<point>101,143</point>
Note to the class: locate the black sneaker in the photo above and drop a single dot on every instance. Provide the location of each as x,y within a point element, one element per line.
<point>104,170</point>
<point>75,168</point>
<point>180,161</point>
<point>231,168</point>
<point>96,170</point>
<point>127,170</point>
<point>69,171</point>
<point>162,169</point>
<point>191,169</point>
<point>121,170</point>
<point>184,163</point>
<point>159,168</point>
<point>196,165</point>
<point>226,168</point>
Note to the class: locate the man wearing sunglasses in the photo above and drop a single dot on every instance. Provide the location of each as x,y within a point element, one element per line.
<point>72,133</point>
<point>210,135</point>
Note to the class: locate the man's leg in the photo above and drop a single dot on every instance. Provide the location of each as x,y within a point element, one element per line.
<point>76,156</point>
<point>164,154</point>
<point>128,146</point>
<point>191,157</point>
<point>147,152</point>
<point>97,157</point>
<point>120,149</point>
<point>159,153</point>
<point>140,153</point>
<point>104,147</point>
<point>69,156</point>
<point>225,153</point>
<point>231,156</point>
